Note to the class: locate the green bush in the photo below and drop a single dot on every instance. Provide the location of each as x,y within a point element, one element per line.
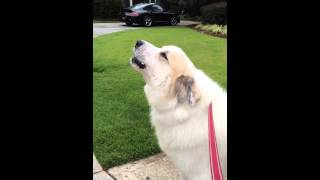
<point>106,8</point>
<point>215,13</point>
<point>213,28</point>
<point>198,26</point>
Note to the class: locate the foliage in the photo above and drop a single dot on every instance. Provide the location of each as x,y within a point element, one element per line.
<point>215,13</point>
<point>106,8</point>
<point>220,30</point>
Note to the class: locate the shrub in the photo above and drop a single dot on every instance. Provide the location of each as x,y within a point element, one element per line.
<point>213,28</point>
<point>198,26</point>
<point>106,8</point>
<point>215,13</point>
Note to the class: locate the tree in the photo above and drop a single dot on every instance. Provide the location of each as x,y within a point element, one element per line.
<point>191,7</point>
<point>106,8</point>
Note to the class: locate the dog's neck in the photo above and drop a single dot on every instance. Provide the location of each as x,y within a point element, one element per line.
<point>159,95</point>
<point>156,82</point>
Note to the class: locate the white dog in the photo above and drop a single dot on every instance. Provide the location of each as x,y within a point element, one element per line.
<point>179,95</point>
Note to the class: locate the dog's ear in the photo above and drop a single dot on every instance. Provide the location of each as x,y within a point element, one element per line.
<point>185,90</point>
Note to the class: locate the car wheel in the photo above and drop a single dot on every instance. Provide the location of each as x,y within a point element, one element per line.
<point>173,21</point>
<point>147,21</point>
<point>129,23</point>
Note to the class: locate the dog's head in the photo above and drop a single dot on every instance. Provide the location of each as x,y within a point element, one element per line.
<point>167,68</point>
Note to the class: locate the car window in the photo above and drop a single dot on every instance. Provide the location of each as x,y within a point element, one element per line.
<point>138,6</point>
<point>157,8</point>
<point>148,8</point>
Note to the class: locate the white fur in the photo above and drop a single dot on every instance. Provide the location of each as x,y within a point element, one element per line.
<point>182,129</point>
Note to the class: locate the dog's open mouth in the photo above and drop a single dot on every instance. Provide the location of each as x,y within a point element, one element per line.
<point>140,64</point>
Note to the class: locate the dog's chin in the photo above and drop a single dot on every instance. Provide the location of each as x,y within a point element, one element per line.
<point>134,66</point>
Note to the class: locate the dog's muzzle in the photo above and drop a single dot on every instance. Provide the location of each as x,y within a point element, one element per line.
<point>136,61</point>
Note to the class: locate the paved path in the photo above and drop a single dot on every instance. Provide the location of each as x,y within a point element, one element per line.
<point>106,28</point>
<point>157,167</point>
<point>98,173</point>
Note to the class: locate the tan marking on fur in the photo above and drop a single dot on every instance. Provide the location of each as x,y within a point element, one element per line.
<point>179,66</point>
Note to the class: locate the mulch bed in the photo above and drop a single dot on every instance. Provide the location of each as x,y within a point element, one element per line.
<point>193,26</point>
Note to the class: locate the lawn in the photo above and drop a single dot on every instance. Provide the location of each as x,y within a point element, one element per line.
<point>122,131</point>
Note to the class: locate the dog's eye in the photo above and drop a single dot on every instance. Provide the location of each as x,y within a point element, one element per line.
<point>164,54</point>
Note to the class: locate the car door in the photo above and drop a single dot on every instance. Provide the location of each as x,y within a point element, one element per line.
<point>157,13</point>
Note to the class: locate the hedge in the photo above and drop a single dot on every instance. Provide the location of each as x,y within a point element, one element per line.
<point>215,13</point>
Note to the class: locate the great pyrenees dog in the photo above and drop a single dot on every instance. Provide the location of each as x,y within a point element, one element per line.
<point>179,95</point>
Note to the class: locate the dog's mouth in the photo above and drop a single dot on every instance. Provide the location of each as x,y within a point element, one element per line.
<point>140,64</point>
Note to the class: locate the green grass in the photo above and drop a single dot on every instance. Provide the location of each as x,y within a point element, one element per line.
<point>122,131</point>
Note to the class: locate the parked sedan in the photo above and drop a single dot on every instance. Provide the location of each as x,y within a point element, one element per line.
<point>148,14</point>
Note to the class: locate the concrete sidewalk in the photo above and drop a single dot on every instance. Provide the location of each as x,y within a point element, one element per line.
<point>98,173</point>
<point>157,167</point>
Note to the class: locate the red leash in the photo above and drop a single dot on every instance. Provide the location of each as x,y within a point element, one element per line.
<point>215,168</point>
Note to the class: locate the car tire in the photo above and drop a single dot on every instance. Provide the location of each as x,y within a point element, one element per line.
<point>173,21</point>
<point>147,21</point>
<point>128,23</point>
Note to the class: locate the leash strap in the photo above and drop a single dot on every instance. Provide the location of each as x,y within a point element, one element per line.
<point>215,168</point>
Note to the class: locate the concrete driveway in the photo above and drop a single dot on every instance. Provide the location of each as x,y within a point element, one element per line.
<point>106,28</point>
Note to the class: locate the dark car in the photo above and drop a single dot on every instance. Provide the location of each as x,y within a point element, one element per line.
<point>148,14</point>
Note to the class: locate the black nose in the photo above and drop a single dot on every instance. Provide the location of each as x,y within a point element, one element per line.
<point>139,43</point>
